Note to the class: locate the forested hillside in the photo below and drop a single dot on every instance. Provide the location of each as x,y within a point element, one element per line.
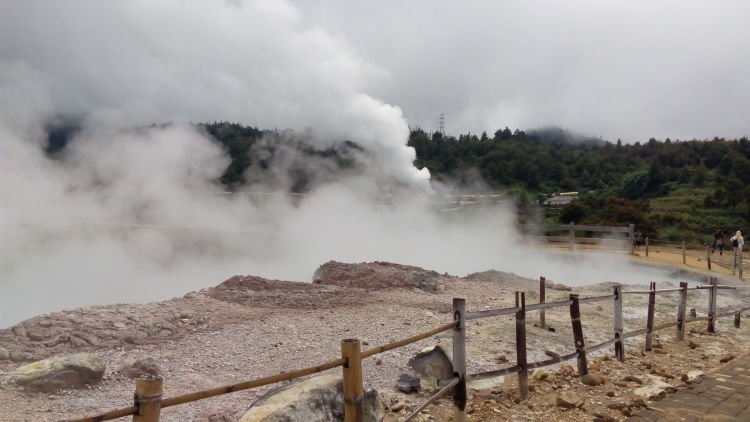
<point>673,190</point>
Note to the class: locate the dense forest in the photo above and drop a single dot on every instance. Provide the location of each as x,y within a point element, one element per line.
<point>672,190</point>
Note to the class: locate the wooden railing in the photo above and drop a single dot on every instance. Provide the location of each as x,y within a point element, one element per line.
<point>732,260</point>
<point>148,392</point>
<point>570,234</point>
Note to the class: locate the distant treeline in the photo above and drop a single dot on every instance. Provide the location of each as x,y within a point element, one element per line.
<point>666,187</point>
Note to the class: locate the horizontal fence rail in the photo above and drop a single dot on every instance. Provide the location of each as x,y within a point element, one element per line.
<point>146,408</point>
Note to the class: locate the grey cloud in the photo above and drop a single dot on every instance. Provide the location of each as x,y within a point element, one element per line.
<point>629,69</point>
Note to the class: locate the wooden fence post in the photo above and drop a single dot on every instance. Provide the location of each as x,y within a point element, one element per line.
<point>650,316</point>
<point>571,235</point>
<point>619,345</point>
<point>708,257</point>
<point>354,410</point>
<point>684,258</point>
<point>734,260</point>
<point>523,375</point>
<point>646,246</point>
<point>631,236</point>
<point>739,265</point>
<point>681,308</point>
<point>711,305</point>
<point>542,293</point>
<point>575,318</point>
<point>147,399</point>
<point>737,317</point>
<point>459,360</point>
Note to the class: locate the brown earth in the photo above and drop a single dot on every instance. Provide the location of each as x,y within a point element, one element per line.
<point>248,327</point>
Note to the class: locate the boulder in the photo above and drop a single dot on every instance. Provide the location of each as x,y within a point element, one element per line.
<point>568,400</point>
<point>137,367</point>
<point>4,353</point>
<point>592,380</point>
<point>408,383</point>
<point>58,372</point>
<point>317,399</point>
<point>432,364</point>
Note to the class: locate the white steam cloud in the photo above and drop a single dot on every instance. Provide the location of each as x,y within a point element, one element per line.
<point>131,214</point>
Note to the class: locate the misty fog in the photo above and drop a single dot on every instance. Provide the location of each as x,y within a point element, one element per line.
<point>132,213</point>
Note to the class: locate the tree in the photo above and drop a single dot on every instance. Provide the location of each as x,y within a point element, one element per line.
<point>573,212</point>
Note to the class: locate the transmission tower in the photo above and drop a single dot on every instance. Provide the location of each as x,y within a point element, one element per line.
<point>441,123</point>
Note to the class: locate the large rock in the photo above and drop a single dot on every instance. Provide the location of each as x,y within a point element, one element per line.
<point>408,383</point>
<point>568,400</point>
<point>54,373</point>
<point>592,380</point>
<point>432,364</point>
<point>318,399</point>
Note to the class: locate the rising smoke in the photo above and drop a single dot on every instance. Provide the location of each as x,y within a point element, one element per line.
<point>130,212</point>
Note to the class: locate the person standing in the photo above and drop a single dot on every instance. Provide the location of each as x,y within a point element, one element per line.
<point>718,242</point>
<point>738,242</point>
<point>638,237</point>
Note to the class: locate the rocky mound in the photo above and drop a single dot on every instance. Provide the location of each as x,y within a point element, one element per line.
<point>264,293</point>
<point>379,275</point>
<point>101,327</point>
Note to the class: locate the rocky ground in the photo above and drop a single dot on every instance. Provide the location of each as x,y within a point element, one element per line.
<point>248,327</point>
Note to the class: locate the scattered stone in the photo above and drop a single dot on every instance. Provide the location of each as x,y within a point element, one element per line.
<point>694,375</point>
<point>631,378</point>
<point>592,380</point>
<point>397,407</point>
<point>638,401</point>
<point>135,367</point>
<point>566,369</point>
<point>432,364</point>
<point>598,417</point>
<point>595,366</point>
<point>540,375</point>
<point>568,400</point>
<point>408,383</point>
<point>617,405</point>
<point>317,399</point>
<point>662,373</point>
<point>4,354</point>
<point>561,287</point>
<point>610,393</point>
<point>727,358</point>
<point>692,344</point>
<point>74,371</point>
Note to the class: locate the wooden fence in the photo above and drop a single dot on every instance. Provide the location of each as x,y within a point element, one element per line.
<point>621,237</point>
<point>733,259</point>
<point>148,392</point>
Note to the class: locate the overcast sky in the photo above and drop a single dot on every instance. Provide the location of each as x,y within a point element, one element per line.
<point>627,69</point>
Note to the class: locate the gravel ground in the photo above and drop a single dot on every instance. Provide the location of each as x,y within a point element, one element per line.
<point>227,340</point>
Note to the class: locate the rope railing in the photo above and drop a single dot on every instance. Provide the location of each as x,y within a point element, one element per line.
<point>350,362</point>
